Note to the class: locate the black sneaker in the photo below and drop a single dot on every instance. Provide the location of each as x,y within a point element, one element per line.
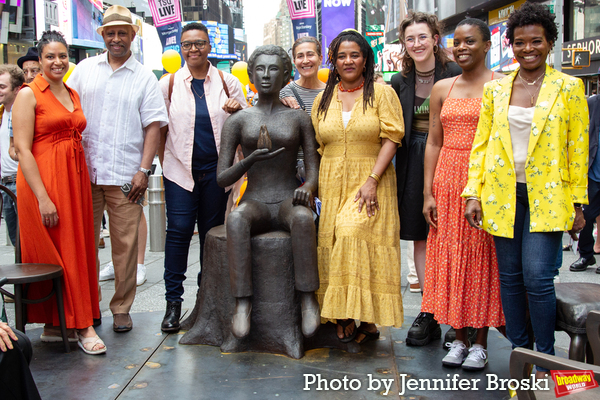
<point>423,330</point>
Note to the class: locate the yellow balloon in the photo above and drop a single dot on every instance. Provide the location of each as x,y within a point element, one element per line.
<point>323,74</point>
<point>240,71</point>
<point>171,61</point>
<point>71,68</point>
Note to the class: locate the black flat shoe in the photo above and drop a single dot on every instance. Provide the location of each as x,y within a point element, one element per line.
<point>582,264</point>
<point>170,323</point>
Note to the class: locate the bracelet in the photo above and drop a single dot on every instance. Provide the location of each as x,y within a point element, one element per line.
<point>474,198</point>
<point>375,176</point>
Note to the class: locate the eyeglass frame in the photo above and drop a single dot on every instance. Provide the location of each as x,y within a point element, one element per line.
<point>412,41</point>
<point>198,44</point>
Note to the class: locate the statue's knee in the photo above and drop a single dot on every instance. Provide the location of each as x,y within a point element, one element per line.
<point>303,220</point>
<point>236,222</point>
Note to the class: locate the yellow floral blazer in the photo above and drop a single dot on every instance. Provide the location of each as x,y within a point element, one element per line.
<point>557,157</point>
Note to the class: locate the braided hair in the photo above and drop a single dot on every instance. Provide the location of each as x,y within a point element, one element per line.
<point>349,35</point>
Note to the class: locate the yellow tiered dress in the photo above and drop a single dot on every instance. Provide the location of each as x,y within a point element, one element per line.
<point>359,257</point>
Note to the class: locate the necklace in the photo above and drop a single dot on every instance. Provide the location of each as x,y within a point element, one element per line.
<point>534,81</point>
<point>422,76</point>
<point>196,93</point>
<point>352,90</point>
<point>523,82</point>
<point>427,73</point>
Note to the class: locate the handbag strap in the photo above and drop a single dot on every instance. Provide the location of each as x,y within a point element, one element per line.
<point>224,84</point>
<point>297,96</point>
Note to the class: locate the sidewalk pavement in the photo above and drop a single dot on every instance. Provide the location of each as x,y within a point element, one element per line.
<point>148,309</point>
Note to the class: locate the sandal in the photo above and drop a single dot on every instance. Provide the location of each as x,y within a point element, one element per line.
<point>84,343</point>
<point>344,323</point>
<point>53,335</point>
<point>367,336</point>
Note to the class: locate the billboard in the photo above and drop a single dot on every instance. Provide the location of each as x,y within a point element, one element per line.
<point>86,19</point>
<point>303,16</point>
<point>336,15</point>
<point>218,34</point>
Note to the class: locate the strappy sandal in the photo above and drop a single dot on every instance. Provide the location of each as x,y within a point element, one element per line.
<point>367,336</point>
<point>344,323</point>
<point>94,340</point>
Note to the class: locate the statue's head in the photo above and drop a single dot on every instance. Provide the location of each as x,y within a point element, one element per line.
<point>269,68</point>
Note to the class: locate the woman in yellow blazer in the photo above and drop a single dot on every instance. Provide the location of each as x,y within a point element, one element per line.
<point>528,174</point>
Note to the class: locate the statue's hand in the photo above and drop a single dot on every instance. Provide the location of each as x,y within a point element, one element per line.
<point>262,155</point>
<point>302,196</point>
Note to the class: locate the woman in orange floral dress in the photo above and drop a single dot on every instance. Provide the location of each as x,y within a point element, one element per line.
<point>462,287</point>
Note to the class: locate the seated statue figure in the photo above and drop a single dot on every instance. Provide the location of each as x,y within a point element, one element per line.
<point>270,135</point>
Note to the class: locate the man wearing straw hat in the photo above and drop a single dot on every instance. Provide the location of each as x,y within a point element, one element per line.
<point>125,110</point>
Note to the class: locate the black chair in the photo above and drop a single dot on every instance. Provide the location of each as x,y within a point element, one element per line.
<point>521,360</point>
<point>21,275</point>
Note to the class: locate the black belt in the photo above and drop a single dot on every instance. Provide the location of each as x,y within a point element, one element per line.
<point>9,179</point>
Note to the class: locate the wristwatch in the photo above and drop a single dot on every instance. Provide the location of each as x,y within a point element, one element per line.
<point>145,171</point>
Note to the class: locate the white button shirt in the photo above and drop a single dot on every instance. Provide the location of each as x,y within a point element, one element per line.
<point>117,105</point>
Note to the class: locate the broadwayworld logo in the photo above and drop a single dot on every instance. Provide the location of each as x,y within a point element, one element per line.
<point>568,382</point>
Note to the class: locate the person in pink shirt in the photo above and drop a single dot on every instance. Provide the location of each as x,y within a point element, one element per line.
<point>202,98</point>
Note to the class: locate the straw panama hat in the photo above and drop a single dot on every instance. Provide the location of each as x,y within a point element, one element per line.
<point>117,16</point>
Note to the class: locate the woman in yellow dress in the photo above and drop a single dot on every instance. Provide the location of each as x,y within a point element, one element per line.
<point>358,125</point>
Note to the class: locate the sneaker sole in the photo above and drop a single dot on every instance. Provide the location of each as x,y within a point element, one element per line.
<point>140,284</point>
<point>469,368</point>
<point>436,334</point>
<point>106,279</point>
<point>453,365</point>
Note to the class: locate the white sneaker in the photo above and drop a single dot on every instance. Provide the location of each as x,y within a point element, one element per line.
<point>476,359</point>
<point>457,354</point>
<point>105,232</point>
<point>107,273</point>
<point>141,274</point>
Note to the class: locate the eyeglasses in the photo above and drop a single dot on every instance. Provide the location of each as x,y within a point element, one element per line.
<point>411,41</point>
<point>200,45</point>
<point>33,71</point>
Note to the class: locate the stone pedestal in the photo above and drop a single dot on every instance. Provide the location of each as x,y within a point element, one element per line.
<point>276,316</point>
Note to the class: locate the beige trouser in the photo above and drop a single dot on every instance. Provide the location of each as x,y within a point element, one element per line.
<point>124,219</point>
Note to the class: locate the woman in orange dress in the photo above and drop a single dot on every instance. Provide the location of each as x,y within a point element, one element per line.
<point>55,201</point>
<point>462,285</point>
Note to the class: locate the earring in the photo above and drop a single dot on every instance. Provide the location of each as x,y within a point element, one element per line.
<point>435,48</point>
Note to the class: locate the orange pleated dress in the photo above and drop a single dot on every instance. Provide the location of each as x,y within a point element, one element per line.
<point>462,283</point>
<point>60,159</point>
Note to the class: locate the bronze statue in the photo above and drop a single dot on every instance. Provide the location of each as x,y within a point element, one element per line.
<point>272,199</point>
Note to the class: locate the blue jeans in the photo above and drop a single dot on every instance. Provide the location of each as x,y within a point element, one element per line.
<point>10,213</point>
<point>206,205</point>
<point>527,264</point>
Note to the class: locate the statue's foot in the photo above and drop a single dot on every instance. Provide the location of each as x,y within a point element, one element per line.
<point>311,317</point>
<point>240,323</point>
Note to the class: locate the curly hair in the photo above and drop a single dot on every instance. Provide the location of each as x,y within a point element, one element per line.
<point>479,24</point>
<point>435,27</point>
<point>48,37</point>
<point>532,14</point>
<point>17,78</point>
<point>272,51</point>
<point>349,35</point>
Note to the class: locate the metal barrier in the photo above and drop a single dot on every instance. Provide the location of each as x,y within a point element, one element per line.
<point>157,214</point>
